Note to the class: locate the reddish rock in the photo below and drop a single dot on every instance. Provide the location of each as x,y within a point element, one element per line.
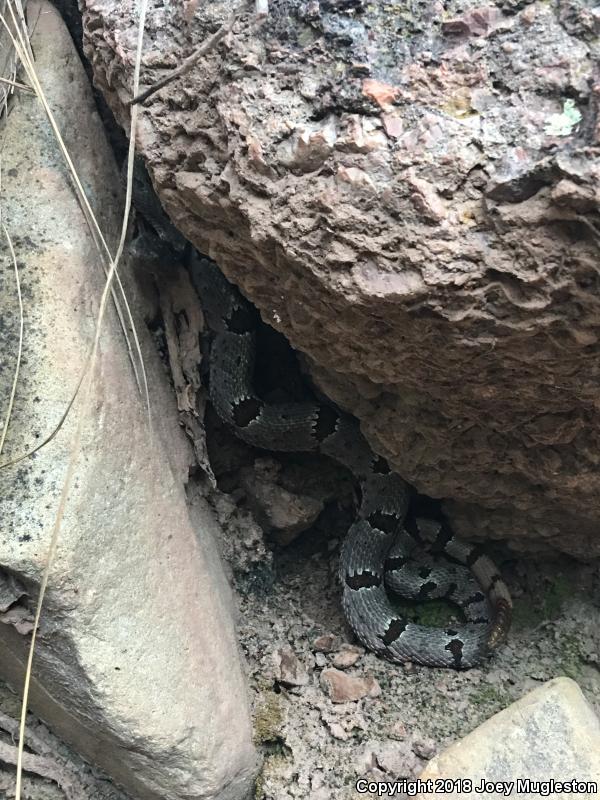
<point>452,307</point>
<point>381,93</point>
<point>477,22</point>
<point>343,688</point>
<point>398,730</point>
<point>396,758</point>
<point>393,125</point>
<point>288,668</point>
<point>347,656</point>
<point>326,643</point>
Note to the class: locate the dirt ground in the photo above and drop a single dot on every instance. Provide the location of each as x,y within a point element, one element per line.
<point>315,748</point>
<point>311,742</point>
<point>292,630</point>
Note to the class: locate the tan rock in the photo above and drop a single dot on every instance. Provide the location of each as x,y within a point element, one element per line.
<point>424,747</point>
<point>361,136</point>
<point>338,731</point>
<point>551,734</point>
<point>310,147</point>
<point>137,662</point>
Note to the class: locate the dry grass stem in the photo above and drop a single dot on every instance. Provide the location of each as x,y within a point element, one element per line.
<point>22,52</point>
<point>21,43</point>
<point>19,346</point>
<point>16,85</point>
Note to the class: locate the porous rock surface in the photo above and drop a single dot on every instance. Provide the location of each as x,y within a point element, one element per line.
<point>409,193</point>
<point>137,662</point>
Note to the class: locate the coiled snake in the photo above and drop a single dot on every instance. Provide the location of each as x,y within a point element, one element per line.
<point>383,546</point>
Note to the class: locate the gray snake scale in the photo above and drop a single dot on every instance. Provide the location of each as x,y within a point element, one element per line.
<point>417,558</point>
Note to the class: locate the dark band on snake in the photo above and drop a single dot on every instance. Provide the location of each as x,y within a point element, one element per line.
<point>384,550</point>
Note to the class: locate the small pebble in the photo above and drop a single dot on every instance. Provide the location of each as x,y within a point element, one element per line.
<point>343,688</point>
<point>326,643</point>
<point>398,730</point>
<point>338,732</point>
<point>347,656</point>
<point>320,660</point>
<point>424,747</point>
<point>397,758</point>
<point>288,669</point>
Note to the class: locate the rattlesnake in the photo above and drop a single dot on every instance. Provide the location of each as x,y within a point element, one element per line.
<point>383,546</point>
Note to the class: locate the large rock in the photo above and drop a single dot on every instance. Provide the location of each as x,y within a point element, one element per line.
<point>137,663</point>
<point>410,198</point>
<point>551,734</point>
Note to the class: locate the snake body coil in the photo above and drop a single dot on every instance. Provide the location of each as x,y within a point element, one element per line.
<point>382,547</point>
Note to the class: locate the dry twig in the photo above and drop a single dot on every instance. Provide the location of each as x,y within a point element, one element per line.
<point>189,62</point>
